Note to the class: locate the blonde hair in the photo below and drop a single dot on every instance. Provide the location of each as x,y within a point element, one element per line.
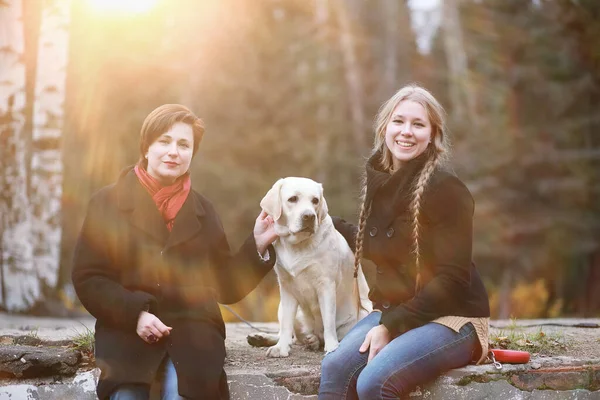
<point>437,154</point>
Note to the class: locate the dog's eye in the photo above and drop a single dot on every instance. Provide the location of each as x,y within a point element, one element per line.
<point>293,199</point>
<point>315,201</point>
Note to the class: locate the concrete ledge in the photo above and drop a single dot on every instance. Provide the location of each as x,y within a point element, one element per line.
<point>30,361</point>
<point>515,382</point>
<point>473,382</point>
<point>249,386</point>
<point>254,376</point>
<point>81,386</point>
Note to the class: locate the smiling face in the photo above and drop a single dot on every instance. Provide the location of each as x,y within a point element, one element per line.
<point>170,155</point>
<point>408,132</point>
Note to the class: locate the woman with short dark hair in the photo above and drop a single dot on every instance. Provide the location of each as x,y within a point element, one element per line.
<point>151,263</point>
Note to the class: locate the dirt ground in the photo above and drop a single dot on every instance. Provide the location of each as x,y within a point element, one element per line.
<point>240,355</point>
<point>580,343</point>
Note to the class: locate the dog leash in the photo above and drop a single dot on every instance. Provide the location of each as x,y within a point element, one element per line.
<point>508,357</point>
<point>246,322</point>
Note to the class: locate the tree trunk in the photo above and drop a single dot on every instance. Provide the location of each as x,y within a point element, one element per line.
<point>504,295</point>
<point>21,287</point>
<point>397,49</point>
<point>322,90</point>
<point>461,93</point>
<point>48,121</point>
<point>353,77</point>
<point>391,10</point>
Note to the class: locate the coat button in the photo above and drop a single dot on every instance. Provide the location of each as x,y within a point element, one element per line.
<point>373,231</point>
<point>390,232</point>
<point>379,270</point>
<point>386,304</point>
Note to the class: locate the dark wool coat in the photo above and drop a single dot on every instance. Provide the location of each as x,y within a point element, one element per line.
<point>127,261</point>
<point>451,284</point>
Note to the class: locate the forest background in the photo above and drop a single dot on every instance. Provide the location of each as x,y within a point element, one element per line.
<point>290,88</point>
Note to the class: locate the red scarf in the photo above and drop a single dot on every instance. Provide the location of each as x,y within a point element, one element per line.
<point>168,199</point>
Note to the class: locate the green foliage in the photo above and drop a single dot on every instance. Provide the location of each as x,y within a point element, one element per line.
<point>33,333</point>
<point>269,79</point>
<point>84,340</point>
<point>534,164</point>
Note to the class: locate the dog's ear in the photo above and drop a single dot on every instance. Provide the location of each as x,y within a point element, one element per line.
<point>271,203</point>
<point>323,209</point>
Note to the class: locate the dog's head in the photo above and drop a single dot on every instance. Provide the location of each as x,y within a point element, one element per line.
<point>297,205</point>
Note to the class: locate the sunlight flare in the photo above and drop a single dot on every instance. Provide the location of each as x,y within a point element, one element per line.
<point>123,6</point>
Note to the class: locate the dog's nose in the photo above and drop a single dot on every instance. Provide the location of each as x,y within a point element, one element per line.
<point>308,217</point>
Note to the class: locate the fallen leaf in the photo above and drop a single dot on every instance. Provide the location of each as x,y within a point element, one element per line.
<point>6,340</point>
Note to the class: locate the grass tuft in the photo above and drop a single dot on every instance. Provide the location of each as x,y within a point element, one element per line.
<point>31,338</point>
<point>84,341</point>
<point>515,338</point>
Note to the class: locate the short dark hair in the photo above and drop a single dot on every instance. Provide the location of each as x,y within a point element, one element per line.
<point>161,119</point>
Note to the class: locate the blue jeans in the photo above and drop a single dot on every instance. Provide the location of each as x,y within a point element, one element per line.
<point>166,376</point>
<point>411,359</point>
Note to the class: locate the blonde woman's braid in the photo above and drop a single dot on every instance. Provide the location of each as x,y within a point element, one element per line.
<point>415,208</point>
<point>365,210</point>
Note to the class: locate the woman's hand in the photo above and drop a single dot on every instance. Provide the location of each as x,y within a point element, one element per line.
<point>264,231</point>
<point>150,328</point>
<point>377,338</point>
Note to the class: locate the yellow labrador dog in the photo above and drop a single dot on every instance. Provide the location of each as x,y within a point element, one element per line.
<point>315,268</point>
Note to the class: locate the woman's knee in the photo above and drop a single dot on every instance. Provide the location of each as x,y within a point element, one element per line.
<point>381,381</point>
<point>371,386</point>
<point>342,363</point>
<point>331,364</point>
<point>366,387</point>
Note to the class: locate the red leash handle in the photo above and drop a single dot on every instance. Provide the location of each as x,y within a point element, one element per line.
<point>511,356</point>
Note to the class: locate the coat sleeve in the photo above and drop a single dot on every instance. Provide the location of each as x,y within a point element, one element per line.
<point>237,275</point>
<point>347,230</point>
<point>450,209</point>
<point>96,280</point>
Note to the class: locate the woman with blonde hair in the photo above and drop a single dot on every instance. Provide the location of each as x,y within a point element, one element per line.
<point>432,309</point>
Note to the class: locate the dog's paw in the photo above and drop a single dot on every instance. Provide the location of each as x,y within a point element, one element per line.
<point>312,342</point>
<point>258,340</point>
<point>329,347</point>
<point>278,352</point>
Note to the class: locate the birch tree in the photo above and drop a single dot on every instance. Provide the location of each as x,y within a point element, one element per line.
<point>46,160</point>
<point>20,286</point>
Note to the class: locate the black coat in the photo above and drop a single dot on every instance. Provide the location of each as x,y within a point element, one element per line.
<point>451,284</point>
<point>126,261</point>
